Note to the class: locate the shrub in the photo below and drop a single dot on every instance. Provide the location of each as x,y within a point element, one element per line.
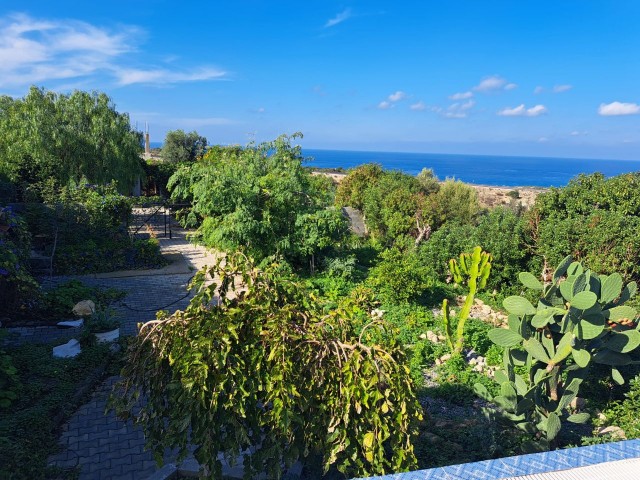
<point>624,414</point>
<point>501,232</point>
<point>17,286</point>
<point>399,277</point>
<point>228,379</point>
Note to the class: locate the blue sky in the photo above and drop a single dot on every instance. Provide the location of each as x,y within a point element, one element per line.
<point>544,78</point>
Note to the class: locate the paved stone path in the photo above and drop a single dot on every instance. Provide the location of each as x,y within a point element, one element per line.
<point>102,446</point>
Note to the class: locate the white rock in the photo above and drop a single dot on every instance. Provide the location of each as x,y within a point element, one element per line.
<point>423,336</point>
<point>615,432</point>
<point>68,350</point>
<point>84,308</point>
<point>473,361</point>
<point>71,323</point>
<point>445,357</point>
<point>577,403</point>
<point>478,368</point>
<point>432,337</point>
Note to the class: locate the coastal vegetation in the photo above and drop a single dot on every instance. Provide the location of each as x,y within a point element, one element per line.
<point>526,316</point>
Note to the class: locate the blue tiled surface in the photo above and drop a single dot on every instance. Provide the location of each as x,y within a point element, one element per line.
<point>526,464</point>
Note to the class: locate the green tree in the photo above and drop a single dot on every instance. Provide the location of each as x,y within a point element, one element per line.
<point>183,147</point>
<point>229,379</point>
<point>260,200</point>
<point>52,139</point>
<point>594,218</point>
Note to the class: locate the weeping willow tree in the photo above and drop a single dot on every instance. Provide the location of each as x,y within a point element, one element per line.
<point>54,139</point>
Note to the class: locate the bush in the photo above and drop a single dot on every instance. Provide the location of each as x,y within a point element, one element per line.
<point>60,300</point>
<point>353,403</point>
<point>595,219</point>
<point>501,232</point>
<point>17,286</point>
<point>400,276</point>
<point>624,414</point>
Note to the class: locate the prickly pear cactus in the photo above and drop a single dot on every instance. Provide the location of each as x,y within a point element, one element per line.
<point>580,319</point>
<point>472,269</point>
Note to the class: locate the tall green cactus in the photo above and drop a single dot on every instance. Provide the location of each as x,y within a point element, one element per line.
<point>472,269</point>
<point>580,319</point>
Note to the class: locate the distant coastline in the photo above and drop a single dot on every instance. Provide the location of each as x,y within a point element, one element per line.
<point>480,170</point>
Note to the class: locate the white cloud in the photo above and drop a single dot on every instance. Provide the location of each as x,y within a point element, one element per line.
<point>538,90</point>
<point>577,133</point>
<point>543,140</point>
<point>493,83</point>
<point>34,51</point>
<point>384,105</point>
<point>522,111</point>
<point>396,97</point>
<point>561,88</point>
<point>461,96</point>
<point>163,77</point>
<point>618,108</point>
<point>418,106</point>
<point>459,109</point>
<point>467,105</point>
<point>339,18</point>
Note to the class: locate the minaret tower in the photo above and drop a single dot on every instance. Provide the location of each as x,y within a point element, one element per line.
<point>147,144</point>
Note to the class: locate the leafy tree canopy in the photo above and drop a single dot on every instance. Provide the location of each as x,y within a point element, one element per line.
<point>183,147</point>
<point>47,137</point>
<point>397,205</point>
<point>260,200</point>
<point>594,218</point>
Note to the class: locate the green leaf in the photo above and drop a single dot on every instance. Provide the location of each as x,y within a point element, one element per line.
<point>581,357</point>
<point>519,306</point>
<point>618,313</point>
<point>564,348</point>
<point>590,326</point>
<point>584,300</point>
<point>579,284</point>
<point>553,426</point>
<point>617,376</point>
<point>566,288</point>
<point>543,317</point>
<point>579,418</point>
<point>535,348</point>
<point>611,288</point>
<point>530,281</point>
<point>623,342</point>
<point>628,292</point>
<point>562,268</point>
<point>508,392</point>
<point>570,392</point>
<point>608,357</point>
<point>504,337</point>
<point>524,405</point>
<point>575,269</point>
<point>521,386</point>
<point>481,391</point>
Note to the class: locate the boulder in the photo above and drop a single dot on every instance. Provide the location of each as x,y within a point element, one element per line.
<point>68,350</point>
<point>84,308</point>
<point>71,323</point>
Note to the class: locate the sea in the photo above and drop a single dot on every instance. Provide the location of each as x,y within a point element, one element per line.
<point>492,170</point>
<point>477,169</point>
